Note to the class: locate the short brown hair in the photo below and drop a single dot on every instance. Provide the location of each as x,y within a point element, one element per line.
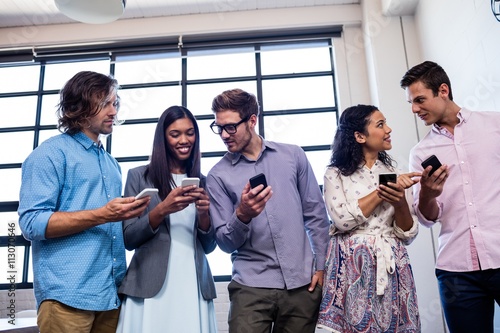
<point>238,100</point>
<point>430,74</point>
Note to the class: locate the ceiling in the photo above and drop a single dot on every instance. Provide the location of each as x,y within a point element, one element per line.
<point>16,13</point>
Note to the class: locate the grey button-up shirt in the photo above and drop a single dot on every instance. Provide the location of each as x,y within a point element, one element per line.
<point>285,244</point>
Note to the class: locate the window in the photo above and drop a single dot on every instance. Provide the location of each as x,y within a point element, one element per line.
<point>293,79</point>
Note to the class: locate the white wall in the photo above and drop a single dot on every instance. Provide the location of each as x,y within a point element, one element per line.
<point>463,36</point>
<point>371,57</point>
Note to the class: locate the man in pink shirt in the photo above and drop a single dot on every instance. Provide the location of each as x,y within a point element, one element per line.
<point>462,195</point>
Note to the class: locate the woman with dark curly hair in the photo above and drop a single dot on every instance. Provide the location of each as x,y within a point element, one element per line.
<point>369,285</point>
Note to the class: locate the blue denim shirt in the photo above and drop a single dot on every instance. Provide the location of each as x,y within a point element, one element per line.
<point>65,174</point>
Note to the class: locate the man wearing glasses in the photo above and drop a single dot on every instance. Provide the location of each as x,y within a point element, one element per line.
<point>277,235</point>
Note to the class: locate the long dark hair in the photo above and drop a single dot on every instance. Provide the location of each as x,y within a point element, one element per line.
<point>162,158</point>
<point>347,153</point>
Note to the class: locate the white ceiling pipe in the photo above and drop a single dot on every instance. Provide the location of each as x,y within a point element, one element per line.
<point>399,7</point>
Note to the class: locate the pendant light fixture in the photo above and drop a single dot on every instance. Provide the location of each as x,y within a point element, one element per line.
<point>92,11</point>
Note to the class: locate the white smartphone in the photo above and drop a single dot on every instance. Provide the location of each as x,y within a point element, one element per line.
<point>190,181</point>
<point>147,191</point>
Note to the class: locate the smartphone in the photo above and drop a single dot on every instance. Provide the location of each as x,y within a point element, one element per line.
<point>431,160</point>
<point>384,178</point>
<point>147,191</point>
<point>190,181</point>
<point>257,180</point>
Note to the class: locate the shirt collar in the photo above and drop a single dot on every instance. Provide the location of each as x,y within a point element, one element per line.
<point>85,141</point>
<point>463,115</point>
<point>235,157</point>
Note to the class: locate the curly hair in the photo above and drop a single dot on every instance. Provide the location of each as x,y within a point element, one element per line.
<point>161,162</point>
<point>83,97</point>
<point>347,154</point>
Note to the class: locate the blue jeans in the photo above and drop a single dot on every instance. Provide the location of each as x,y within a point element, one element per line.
<point>468,299</point>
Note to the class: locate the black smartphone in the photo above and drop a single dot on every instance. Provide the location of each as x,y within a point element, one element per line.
<point>257,180</point>
<point>431,160</point>
<point>384,178</point>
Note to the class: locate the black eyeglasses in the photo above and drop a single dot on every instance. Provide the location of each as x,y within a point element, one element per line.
<point>229,128</point>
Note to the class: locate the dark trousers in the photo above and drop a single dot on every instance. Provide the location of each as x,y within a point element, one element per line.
<point>263,310</point>
<point>468,299</point>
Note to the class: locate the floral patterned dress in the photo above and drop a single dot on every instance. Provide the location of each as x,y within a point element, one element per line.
<point>369,285</point>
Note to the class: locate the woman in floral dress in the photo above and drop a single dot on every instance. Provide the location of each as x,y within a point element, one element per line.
<point>369,285</point>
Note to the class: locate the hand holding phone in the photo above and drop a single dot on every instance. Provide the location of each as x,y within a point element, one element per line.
<point>433,161</point>
<point>258,180</point>
<point>147,191</point>
<point>384,178</point>
<point>190,181</point>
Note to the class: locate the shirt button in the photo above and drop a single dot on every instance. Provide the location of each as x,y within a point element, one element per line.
<point>114,259</point>
<point>467,182</point>
<point>462,162</point>
<point>470,203</point>
<point>109,196</point>
<point>114,237</point>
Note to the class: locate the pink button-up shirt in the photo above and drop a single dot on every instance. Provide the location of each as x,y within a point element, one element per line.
<point>469,207</point>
